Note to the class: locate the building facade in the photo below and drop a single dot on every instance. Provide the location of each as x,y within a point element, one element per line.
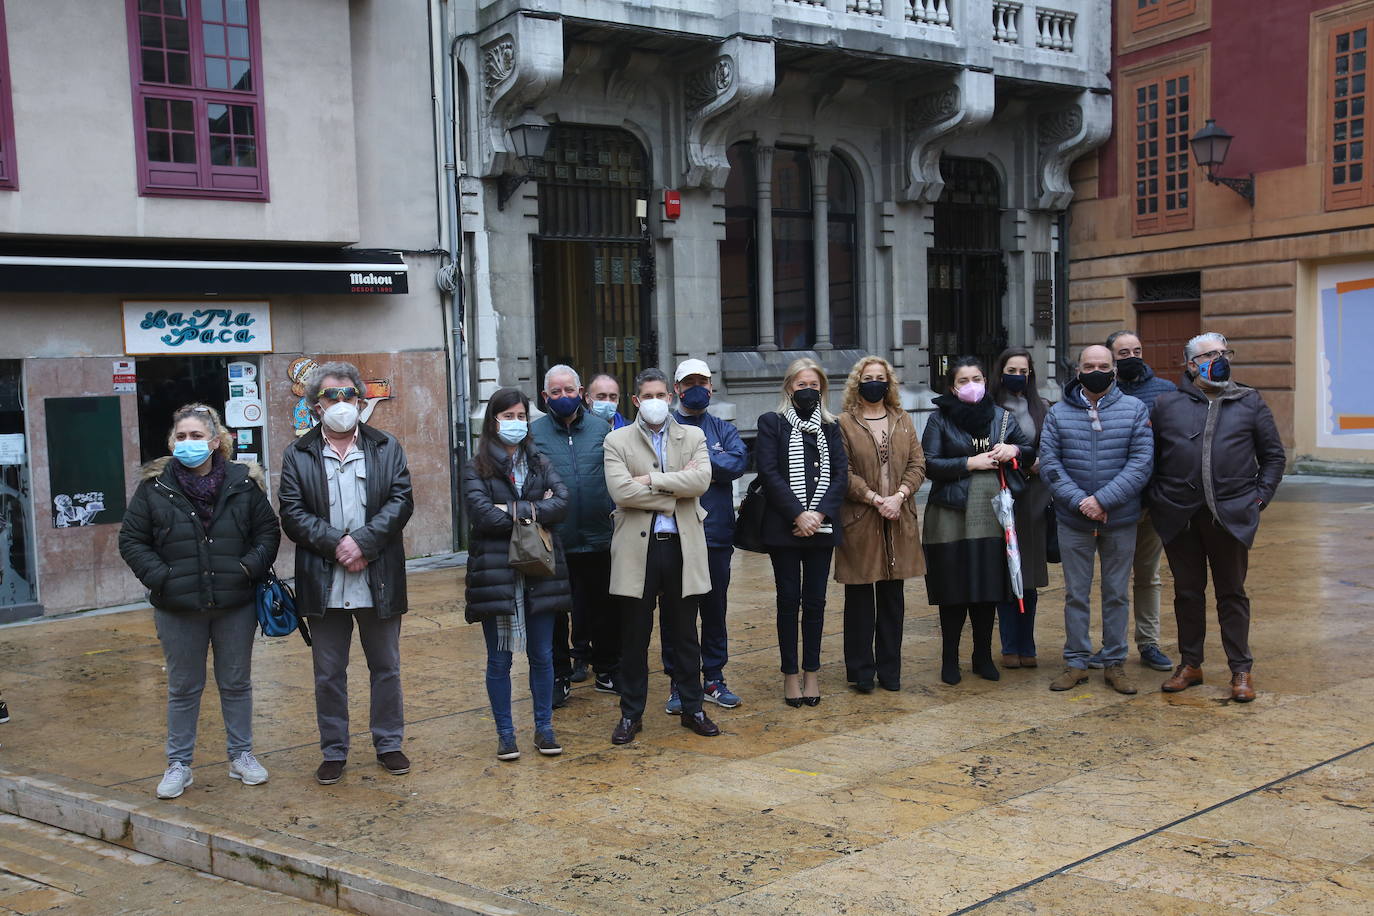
<point>239,187</point>
<point>1286,273</point>
<point>750,181</point>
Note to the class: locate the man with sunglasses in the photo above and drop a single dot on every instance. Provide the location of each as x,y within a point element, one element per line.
<point>345,498</point>
<point>1219,461</point>
<point>1095,454</point>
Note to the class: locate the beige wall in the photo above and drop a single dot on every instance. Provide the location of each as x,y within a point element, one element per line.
<point>74,130</point>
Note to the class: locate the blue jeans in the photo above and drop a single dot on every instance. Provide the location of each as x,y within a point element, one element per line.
<point>1017,629</point>
<point>1077,549</point>
<point>715,650</point>
<point>539,650</point>
<point>185,639</point>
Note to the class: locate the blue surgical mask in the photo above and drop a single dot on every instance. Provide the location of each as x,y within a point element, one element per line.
<point>513,432</point>
<point>604,409</point>
<point>696,397</point>
<point>191,452</point>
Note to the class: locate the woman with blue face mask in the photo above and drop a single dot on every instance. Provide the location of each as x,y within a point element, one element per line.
<point>200,533</point>
<point>507,479</point>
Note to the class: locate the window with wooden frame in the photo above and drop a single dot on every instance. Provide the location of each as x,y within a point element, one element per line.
<point>198,103</point>
<point>9,173</point>
<point>1150,13</point>
<point>1163,199</point>
<point>1348,179</point>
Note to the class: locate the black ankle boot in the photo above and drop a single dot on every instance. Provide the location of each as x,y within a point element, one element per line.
<point>949,671</point>
<point>984,668</point>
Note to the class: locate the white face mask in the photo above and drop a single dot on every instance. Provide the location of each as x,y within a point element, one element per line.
<point>341,417</point>
<point>653,410</point>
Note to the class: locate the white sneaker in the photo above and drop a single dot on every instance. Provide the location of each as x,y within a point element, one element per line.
<point>174,781</point>
<point>246,769</point>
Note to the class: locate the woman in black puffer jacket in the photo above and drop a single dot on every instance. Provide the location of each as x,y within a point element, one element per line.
<point>200,533</point>
<point>507,477</point>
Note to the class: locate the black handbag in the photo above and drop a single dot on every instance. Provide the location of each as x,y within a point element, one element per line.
<point>749,522</point>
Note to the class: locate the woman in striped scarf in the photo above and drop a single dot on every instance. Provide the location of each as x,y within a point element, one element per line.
<point>805,472</point>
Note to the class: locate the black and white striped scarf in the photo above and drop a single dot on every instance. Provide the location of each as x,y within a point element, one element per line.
<point>796,458</point>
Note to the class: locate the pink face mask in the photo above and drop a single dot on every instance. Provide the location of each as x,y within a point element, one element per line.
<point>971,393</point>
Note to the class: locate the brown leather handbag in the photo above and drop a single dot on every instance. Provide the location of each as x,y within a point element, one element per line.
<point>531,544</point>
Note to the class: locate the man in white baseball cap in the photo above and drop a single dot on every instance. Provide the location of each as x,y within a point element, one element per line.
<point>729,458</point>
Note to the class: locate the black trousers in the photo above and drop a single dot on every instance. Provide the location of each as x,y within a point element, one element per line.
<point>800,575</point>
<point>1202,545</point>
<point>678,616</point>
<point>873,618</point>
<point>952,617</point>
<point>595,615</point>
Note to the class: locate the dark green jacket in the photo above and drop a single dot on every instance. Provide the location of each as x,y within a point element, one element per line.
<point>577,453</point>
<point>184,567</point>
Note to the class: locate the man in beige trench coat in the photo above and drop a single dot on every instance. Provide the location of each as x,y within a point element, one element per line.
<point>656,470</point>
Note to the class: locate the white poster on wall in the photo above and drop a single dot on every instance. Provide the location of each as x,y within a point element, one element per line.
<point>157,328</point>
<point>1345,325</point>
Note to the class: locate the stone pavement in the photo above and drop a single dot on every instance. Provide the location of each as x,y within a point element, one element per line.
<point>1003,797</point>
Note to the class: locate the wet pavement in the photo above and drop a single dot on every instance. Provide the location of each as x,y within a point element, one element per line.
<point>1002,796</point>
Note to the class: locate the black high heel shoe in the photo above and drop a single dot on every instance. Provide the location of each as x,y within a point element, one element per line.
<point>810,700</point>
<point>794,702</point>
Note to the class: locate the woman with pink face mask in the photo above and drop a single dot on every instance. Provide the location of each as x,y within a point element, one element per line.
<point>966,561</point>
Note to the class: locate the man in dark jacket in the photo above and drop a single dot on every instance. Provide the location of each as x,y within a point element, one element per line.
<point>1219,461</point>
<point>1095,454</point>
<point>1135,377</point>
<point>729,457</point>
<point>573,440</point>
<point>345,498</point>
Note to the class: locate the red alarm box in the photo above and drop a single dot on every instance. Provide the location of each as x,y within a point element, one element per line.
<point>672,204</point>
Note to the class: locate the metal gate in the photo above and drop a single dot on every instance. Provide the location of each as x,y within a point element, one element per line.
<point>966,268</point>
<point>593,266</point>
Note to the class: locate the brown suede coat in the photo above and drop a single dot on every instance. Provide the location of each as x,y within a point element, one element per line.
<point>874,548</point>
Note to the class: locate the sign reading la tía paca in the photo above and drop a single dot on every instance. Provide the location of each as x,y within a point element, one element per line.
<point>152,328</point>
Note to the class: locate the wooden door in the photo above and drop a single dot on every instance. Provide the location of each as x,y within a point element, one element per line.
<point>1163,333</point>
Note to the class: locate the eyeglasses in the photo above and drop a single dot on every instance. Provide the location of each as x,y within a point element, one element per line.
<point>339,394</point>
<point>200,410</point>
<point>1213,354</point>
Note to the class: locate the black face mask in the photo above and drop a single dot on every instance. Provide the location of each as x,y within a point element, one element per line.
<point>1130,368</point>
<point>1096,382</point>
<point>1015,383</point>
<point>873,391</point>
<point>805,401</point>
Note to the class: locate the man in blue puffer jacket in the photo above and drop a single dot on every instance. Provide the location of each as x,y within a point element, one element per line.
<point>1135,377</point>
<point>573,439</point>
<point>1096,453</point>
<point>729,458</point>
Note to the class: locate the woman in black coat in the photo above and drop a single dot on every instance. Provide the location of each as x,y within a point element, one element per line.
<point>200,533</point>
<point>966,554</point>
<point>805,473</point>
<point>506,479</point>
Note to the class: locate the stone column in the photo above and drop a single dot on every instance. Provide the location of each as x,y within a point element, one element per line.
<point>763,167</point>
<point>820,243</point>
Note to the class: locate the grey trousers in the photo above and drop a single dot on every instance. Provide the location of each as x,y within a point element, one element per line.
<point>381,639</point>
<point>185,638</point>
<point>1146,587</point>
<point>1077,549</point>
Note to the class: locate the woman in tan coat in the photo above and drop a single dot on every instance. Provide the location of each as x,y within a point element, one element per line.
<point>882,540</point>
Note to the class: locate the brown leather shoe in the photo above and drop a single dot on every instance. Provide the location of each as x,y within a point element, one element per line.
<point>1185,676</point>
<point>1028,661</point>
<point>1242,691</point>
<point>1070,679</point>
<point>701,724</point>
<point>625,730</point>
<point>330,772</point>
<point>1118,679</point>
<point>1011,661</point>
<point>396,763</point>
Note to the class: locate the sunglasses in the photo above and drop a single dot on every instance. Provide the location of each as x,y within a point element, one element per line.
<point>339,394</point>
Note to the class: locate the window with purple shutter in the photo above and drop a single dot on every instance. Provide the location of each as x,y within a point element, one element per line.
<point>9,173</point>
<point>196,68</point>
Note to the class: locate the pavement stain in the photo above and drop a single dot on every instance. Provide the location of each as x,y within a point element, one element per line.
<point>925,800</point>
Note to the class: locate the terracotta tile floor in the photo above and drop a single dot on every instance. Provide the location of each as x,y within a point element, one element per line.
<point>998,796</point>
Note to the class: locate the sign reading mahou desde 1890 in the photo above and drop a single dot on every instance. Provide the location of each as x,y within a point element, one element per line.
<point>197,327</point>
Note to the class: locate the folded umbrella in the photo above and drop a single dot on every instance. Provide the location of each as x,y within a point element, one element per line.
<point>1005,508</point>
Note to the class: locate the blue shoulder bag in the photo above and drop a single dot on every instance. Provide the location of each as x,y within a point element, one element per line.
<point>277,609</point>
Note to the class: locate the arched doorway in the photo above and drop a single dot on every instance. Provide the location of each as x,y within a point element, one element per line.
<point>966,268</point>
<point>593,269</point>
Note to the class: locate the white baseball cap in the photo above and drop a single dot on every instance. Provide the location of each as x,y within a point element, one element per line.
<point>691,367</point>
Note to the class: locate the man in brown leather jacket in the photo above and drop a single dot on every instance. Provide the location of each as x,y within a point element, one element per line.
<point>1218,461</point>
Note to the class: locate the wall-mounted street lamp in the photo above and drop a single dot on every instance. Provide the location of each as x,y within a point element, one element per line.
<point>528,138</point>
<point>1210,146</point>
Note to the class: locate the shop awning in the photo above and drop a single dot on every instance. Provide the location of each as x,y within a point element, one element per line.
<point>236,272</point>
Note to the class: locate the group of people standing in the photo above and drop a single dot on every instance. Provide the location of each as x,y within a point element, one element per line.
<point>641,518</point>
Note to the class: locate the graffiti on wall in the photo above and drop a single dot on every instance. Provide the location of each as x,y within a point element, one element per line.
<point>303,417</point>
